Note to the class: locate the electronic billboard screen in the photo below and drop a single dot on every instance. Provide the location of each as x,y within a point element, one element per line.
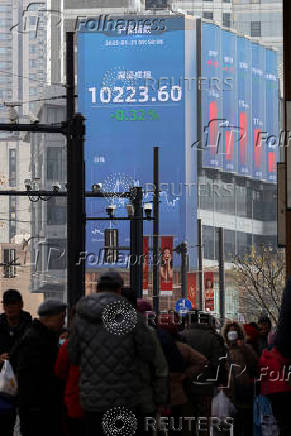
<point>230,129</point>
<point>133,92</point>
<point>244,71</point>
<point>211,91</point>
<point>272,115</point>
<point>258,110</point>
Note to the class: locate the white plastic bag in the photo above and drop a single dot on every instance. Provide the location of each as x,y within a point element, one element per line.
<point>8,384</point>
<point>222,406</point>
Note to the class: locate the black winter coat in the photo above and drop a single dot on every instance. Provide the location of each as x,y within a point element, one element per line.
<point>33,361</point>
<point>109,362</point>
<point>9,336</point>
<point>203,339</point>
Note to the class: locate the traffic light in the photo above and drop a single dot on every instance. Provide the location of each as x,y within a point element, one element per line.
<point>156,4</point>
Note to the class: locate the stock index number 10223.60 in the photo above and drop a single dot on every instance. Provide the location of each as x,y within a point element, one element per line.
<point>139,94</point>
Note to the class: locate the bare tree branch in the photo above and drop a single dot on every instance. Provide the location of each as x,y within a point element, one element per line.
<point>260,278</point>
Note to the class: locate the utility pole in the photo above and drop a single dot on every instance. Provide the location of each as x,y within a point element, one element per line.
<point>156,258</point>
<point>200,263</point>
<point>184,270</point>
<point>287,123</point>
<point>136,242</point>
<point>75,185</point>
<point>221,275</point>
<point>182,250</point>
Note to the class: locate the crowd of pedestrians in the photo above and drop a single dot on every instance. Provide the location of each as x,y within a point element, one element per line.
<point>117,356</point>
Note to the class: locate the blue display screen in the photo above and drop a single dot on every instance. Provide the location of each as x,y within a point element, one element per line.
<point>258,110</point>
<point>244,66</point>
<point>231,132</point>
<point>212,90</point>
<point>272,122</point>
<point>134,96</point>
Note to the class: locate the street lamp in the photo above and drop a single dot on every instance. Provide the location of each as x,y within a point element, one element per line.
<point>130,210</point>
<point>97,187</point>
<point>148,208</point>
<point>110,210</point>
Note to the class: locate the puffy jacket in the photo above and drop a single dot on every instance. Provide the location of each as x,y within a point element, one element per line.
<point>109,362</point>
<point>71,374</point>
<point>273,372</point>
<point>33,361</point>
<point>9,336</point>
<point>154,379</point>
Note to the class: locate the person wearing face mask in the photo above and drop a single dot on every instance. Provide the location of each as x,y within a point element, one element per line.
<point>242,363</point>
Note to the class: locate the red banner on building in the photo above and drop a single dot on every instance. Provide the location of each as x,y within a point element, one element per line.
<point>145,265</point>
<point>209,291</point>
<point>191,289</point>
<point>166,268</point>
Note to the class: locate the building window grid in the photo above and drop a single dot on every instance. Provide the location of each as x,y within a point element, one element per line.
<point>256,29</point>
<point>9,257</point>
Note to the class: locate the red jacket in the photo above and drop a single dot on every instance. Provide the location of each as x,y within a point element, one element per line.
<point>71,374</point>
<point>274,372</point>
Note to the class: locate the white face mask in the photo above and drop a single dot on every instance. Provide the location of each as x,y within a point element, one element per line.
<point>232,335</point>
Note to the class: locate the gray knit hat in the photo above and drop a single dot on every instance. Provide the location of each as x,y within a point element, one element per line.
<point>51,307</point>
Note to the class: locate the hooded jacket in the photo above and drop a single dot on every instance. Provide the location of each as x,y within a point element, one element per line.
<point>108,361</point>
<point>9,336</point>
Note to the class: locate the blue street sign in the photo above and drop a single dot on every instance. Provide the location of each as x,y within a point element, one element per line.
<point>183,306</point>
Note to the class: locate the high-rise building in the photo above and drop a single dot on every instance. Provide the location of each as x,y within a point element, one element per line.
<point>261,19</point>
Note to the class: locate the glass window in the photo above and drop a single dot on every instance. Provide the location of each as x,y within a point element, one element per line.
<point>5,8</point>
<point>12,167</point>
<point>226,20</point>
<point>229,245</point>
<point>9,257</point>
<point>33,91</point>
<point>256,29</point>
<point>242,247</point>
<point>5,22</point>
<point>208,242</point>
<point>33,63</point>
<point>55,164</point>
<point>208,15</point>
<point>5,36</point>
<point>56,254</point>
<point>32,20</point>
<point>56,211</point>
<point>5,50</point>
<point>206,193</point>
<point>241,200</point>
<point>32,49</point>
<point>5,65</point>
